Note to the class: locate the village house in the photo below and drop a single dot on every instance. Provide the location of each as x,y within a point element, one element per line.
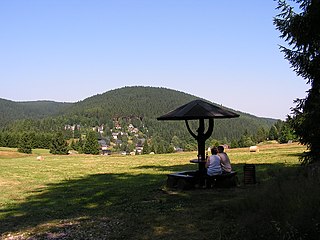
<point>115,135</point>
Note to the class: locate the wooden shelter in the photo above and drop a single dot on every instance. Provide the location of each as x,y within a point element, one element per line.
<point>199,110</point>
<point>196,110</point>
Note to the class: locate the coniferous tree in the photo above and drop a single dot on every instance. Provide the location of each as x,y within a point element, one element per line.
<point>154,144</point>
<point>152,148</point>
<point>261,135</point>
<point>161,148</point>
<point>286,134</point>
<point>146,149</point>
<point>273,133</point>
<point>130,147</point>
<point>72,144</point>
<point>91,145</point>
<point>170,149</point>
<point>214,143</point>
<point>58,144</point>
<point>77,145</point>
<point>10,140</point>
<point>33,140</point>
<point>234,143</point>
<point>191,147</point>
<point>302,33</point>
<point>245,140</point>
<point>175,141</point>
<point>76,132</point>
<point>25,144</point>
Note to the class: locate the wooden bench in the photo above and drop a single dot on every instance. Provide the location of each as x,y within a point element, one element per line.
<point>224,180</point>
<point>181,180</point>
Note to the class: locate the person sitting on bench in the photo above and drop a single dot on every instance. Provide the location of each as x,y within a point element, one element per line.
<point>225,161</point>
<point>213,164</point>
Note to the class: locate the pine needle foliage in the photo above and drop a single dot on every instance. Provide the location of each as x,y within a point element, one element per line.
<point>301,31</point>
<point>58,144</point>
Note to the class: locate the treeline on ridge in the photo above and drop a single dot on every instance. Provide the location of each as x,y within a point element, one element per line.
<point>139,106</point>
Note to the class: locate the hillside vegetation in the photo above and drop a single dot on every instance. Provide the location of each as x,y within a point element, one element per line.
<point>138,105</point>
<point>12,111</point>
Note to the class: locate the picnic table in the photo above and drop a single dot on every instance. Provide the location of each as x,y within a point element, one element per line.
<point>197,110</point>
<point>198,178</point>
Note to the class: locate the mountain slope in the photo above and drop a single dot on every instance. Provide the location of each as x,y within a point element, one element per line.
<point>136,101</point>
<point>142,105</point>
<point>11,110</point>
<point>148,103</point>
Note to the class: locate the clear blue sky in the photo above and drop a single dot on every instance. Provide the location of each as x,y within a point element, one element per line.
<point>224,51</point>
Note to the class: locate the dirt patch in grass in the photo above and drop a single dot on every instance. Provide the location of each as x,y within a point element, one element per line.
<point>79,228</point>
<point>11,154</point>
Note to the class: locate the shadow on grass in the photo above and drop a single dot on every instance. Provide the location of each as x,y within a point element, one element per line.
<point>298,155</point>
<point>172,168</point>
<point>93,196</point>
<point>260,168</point>
<point>123,205</point>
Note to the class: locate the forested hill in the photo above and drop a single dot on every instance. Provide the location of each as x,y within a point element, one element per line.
<point>148,103</point>
<point>143,102</point>
<point>11,111</point>
<point>141,105</point>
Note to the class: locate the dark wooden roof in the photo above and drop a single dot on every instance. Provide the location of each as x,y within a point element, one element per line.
<point>198,109</point>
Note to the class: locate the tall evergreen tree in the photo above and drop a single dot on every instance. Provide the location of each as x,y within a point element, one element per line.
<point>146,148</point>
<point>302,33</point>
<point>261,135</point>
<point>77,145</point>
<point>175,141</point>
<point>91,145</point>
<point>273,133</point>
<point>25,144</point>
<point>246,140</point>
<point>58,144</point>
<point>286,133</point>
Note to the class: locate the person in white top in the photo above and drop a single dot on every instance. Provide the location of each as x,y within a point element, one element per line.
<point>225,161</point>
<point>213,164</point>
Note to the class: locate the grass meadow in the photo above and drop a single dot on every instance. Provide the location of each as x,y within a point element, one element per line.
<point>125,197</point>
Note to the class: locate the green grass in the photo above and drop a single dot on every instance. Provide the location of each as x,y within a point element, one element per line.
<point>124,197</point>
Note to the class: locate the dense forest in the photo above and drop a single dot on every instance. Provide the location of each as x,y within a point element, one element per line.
<point>12,111</point>
<point>113,113</point>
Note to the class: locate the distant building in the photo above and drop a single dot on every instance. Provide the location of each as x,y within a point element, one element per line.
<point>104,147</point>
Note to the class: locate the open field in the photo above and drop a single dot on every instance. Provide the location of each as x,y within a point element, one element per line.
<point>124,197</point>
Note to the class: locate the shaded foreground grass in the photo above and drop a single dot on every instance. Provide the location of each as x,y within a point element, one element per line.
<point>98,197</point>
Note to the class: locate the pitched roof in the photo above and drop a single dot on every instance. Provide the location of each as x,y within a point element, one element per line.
<point>198,109</point>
